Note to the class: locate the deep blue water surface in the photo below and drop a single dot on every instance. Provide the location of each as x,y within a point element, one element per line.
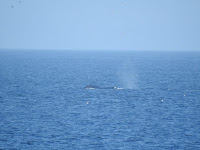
<point>44,105</point>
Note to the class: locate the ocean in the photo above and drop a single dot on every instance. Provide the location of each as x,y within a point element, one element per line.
<point>154,105</point>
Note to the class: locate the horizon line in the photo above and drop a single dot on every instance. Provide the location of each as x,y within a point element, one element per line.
<point>89,49</point>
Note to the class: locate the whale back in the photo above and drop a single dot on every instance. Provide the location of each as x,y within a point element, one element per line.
<point>97,87</point>
<point>91,87</point>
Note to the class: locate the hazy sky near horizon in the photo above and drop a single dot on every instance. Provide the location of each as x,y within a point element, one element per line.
<point>100,24</point>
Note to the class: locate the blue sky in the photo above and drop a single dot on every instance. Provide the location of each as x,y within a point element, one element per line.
<point>100,24</point>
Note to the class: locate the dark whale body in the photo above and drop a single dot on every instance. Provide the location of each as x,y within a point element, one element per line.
<point>91,87</point>
<point>97,87</point>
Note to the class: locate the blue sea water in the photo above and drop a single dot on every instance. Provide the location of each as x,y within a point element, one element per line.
<point>44,105</point>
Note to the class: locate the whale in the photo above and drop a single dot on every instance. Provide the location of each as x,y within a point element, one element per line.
<point>91,87</point>
<point>98,87</point>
